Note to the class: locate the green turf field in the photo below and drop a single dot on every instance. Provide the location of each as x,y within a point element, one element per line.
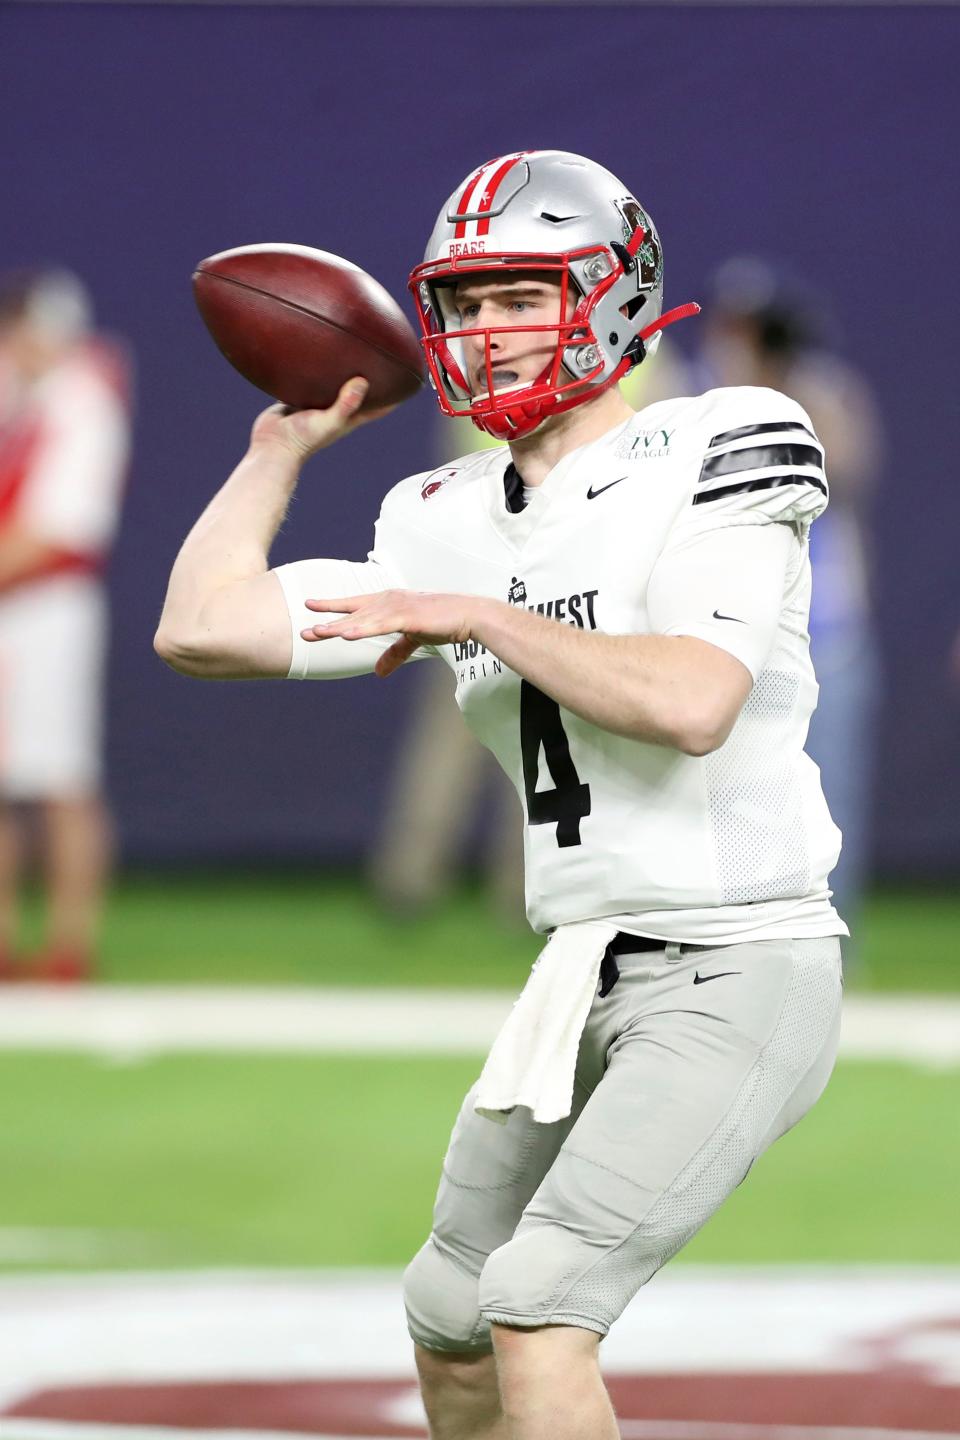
<point>196,1160</point>
<point>326,930</point>
<point>200,1160</point>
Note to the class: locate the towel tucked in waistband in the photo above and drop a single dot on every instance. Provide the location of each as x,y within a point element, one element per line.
<point>533,1060</point>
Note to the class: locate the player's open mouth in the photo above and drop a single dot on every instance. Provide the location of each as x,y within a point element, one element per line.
<point>502,379</point>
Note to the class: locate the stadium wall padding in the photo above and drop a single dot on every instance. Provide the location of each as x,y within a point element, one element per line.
<point>138,139</point>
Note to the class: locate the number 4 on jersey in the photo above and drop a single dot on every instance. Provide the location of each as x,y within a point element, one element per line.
<point>567,804</point>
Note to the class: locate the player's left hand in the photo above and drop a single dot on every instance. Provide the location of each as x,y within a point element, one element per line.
<point>422,617</point>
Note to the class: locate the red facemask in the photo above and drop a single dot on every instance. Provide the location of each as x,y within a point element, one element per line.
<point>571,376</point>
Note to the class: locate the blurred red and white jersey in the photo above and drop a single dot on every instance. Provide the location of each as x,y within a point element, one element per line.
<point>64,447</point>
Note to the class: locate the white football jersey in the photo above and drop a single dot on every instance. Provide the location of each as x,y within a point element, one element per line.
<point>689,519</point>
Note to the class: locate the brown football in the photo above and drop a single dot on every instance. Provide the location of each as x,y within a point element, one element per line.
<point>298,322</point>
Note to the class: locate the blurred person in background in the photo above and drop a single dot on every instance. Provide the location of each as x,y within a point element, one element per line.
<point>766,328</point>
<point>64,441</point>
<point>443,775</point>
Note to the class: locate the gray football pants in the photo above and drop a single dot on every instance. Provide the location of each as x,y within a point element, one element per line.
<point>696,1061</point>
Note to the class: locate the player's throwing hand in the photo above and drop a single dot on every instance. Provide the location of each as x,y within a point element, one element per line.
<point>304,432</point>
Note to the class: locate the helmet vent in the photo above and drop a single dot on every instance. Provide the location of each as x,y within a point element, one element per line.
<point>557,219</point>
<point>634,306</point>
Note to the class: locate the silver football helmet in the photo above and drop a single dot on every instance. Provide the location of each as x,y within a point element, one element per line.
<point>545,211</point>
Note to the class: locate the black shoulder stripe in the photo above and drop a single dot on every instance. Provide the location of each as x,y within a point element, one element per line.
<point>774,482</point>
<point>759,457</point>
<point>746,430</point>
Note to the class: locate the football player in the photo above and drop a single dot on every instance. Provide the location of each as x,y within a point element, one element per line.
<point>623,599</point>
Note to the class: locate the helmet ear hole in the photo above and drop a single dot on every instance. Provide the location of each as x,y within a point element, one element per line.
<point>634,306</point>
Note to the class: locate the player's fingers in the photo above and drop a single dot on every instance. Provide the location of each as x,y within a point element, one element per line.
<point>307,431</point>
<point>345,628</point>
<point>351,396</point>
<point>344,606</point>
<point>369,415</point>
<point>391,659</point>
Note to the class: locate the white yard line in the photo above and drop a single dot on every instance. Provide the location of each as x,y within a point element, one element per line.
<point>143,1327</point>
<point>273,1326</point>
<point>278,1327</point>
<point>127,1022</point>
<point>131,1021</point>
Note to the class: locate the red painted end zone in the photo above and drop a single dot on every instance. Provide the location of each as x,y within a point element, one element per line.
<point>907,1400</point>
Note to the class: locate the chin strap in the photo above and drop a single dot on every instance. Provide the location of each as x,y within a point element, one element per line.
<point>636,350</point>
<point>513,424</point>
<point>679,312</point>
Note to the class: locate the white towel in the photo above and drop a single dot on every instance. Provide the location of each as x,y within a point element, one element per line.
<point>533,1060</point>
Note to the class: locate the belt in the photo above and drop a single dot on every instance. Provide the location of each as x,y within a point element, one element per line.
<point>623,944</point>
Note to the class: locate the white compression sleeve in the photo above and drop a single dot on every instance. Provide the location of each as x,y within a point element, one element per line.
<point>334,659</point>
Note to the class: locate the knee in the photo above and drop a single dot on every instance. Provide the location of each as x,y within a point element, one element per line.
<point>443,1311</point>
<point>459,1376</point>
<point>460,1393</point>
<point>544,1346</point>
<point>551,1366</point>
<point>525,1282</point>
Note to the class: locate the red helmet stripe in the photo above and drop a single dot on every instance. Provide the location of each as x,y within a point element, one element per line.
<point>465,197</point>
<point>493,185</point>
<point>636,240</point>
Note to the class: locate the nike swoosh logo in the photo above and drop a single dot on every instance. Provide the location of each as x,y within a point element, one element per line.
<point>592,494</point>
<point>718,616</point>
<point>699,979</point>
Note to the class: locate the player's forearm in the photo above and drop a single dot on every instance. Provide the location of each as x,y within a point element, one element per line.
<point>664,689</point>
<point>231,540</point>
